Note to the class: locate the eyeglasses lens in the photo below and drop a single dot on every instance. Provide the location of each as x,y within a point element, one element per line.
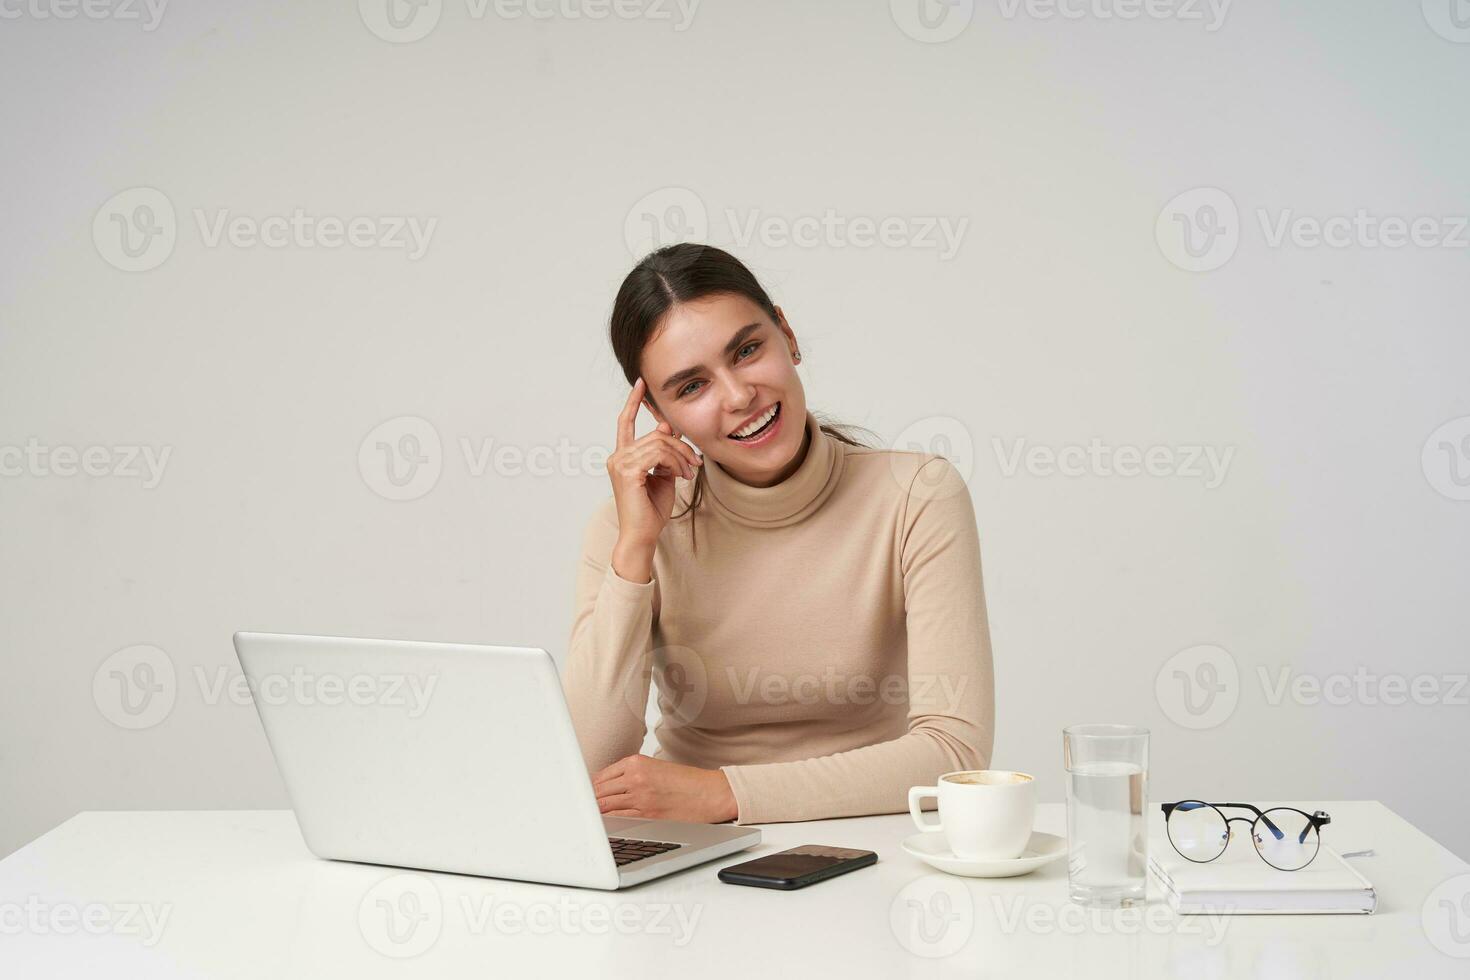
<point>1292,845</point>
<point>1198,831</point>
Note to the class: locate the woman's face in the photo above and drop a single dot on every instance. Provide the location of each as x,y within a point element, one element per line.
<point>714,365</point>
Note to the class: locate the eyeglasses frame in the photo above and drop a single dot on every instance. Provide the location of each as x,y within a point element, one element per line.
<point>1316,820</point>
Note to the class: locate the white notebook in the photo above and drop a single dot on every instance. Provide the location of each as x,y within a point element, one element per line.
<point>1239,882</point>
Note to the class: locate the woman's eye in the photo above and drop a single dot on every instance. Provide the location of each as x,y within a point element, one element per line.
<point>690,386</point>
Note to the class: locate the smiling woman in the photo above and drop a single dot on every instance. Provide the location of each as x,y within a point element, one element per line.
<point>828,646</point>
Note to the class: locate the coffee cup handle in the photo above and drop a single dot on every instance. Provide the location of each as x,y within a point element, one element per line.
<point>916,794</point>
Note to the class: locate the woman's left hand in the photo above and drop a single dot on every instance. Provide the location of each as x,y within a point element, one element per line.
<point>642,786</point>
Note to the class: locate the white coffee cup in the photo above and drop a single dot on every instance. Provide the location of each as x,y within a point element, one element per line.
<point>985,814</point>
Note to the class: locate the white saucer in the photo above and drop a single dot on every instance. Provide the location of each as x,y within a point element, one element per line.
<point>931,848</point>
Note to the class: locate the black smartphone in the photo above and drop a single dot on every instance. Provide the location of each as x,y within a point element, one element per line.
<point>797,867</point>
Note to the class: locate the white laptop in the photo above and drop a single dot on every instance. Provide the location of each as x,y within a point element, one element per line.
<point>450,757</point>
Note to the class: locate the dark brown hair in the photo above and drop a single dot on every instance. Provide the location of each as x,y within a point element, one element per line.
<point>679,274</point>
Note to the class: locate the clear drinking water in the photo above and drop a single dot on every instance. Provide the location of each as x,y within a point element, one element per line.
<point>1107,800</point>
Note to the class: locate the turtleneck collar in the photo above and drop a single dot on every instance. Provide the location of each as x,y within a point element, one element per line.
<point>787,502</point>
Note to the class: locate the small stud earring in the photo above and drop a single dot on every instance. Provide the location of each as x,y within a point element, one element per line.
<point>796,357</point>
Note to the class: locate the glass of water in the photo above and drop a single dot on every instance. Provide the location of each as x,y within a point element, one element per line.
<point>1107,798</point>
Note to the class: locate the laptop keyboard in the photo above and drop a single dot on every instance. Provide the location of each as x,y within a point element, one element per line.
<point>627,851</point>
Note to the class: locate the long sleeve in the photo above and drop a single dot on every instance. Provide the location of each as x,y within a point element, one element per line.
<point>950,677</point>
<point>606,677</point>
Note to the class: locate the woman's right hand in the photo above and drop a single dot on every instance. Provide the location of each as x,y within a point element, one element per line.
<point>642,472</point>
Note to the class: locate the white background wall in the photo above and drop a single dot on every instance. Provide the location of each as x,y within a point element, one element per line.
<point>1333,544</point>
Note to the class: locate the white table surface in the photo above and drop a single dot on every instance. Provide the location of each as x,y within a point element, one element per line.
<point>236,894</point>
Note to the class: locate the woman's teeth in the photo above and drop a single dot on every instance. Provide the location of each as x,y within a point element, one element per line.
<point>756,427</point>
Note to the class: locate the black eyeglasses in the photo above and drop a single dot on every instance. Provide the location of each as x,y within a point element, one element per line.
<point>1286,838</point>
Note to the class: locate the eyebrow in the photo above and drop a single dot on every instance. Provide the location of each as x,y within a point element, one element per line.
<point>736,342</point>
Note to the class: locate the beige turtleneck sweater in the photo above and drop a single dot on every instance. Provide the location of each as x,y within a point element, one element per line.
<point>826,647</point>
